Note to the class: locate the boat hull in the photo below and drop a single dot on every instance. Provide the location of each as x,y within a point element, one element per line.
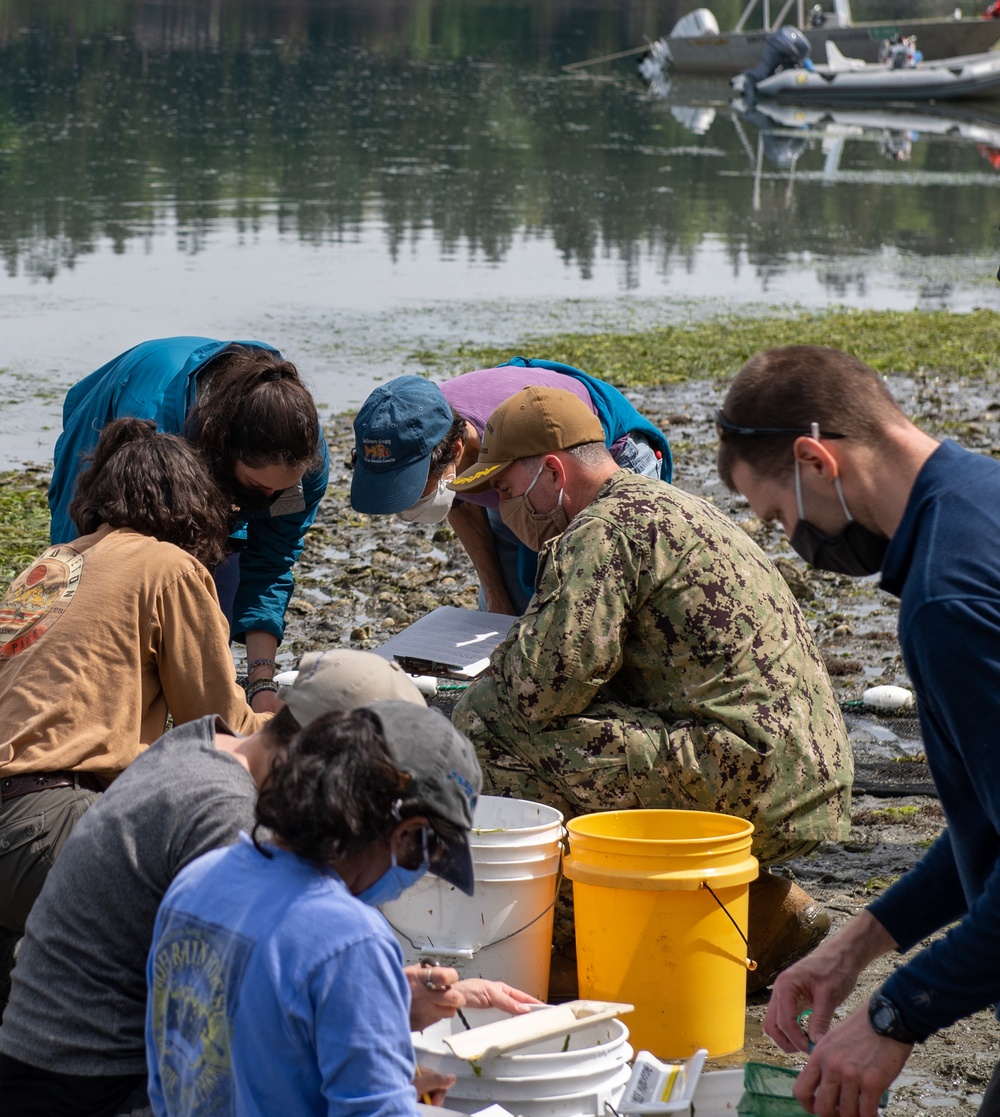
<point>732,52</point>
<point>941,80</point>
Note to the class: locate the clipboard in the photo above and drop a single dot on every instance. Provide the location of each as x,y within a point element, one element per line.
<point>448,642</point>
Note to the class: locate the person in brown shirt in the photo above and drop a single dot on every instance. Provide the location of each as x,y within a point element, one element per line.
<point>101,639</point>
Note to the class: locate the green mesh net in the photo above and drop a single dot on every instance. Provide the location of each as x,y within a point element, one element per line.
<point>767,1092</point>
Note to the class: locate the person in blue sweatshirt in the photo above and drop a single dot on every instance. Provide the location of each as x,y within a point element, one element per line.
<point>245,408</point>
<point>274,984</point>
<point>814,440</point>
<point>413,437</point>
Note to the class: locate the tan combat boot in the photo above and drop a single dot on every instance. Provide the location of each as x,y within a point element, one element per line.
<point>785,924</point>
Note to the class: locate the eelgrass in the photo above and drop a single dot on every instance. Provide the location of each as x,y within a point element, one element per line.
<point>24,522</point>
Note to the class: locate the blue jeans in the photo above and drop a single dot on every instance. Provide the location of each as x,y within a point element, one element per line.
<point>637,456</point>
<point>227,581</point>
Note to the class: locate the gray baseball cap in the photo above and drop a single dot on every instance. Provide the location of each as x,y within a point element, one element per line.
<point>344,679</point>
<point>445,775</point>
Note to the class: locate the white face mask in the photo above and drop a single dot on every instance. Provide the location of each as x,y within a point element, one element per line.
<point>432,508</point>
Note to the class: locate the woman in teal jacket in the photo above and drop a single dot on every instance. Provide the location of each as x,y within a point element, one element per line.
<point>246,410</point>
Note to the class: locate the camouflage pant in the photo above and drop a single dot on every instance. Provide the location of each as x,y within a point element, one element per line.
<point>617,757</point>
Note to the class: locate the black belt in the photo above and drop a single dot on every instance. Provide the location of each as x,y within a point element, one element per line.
<point>13,787</point>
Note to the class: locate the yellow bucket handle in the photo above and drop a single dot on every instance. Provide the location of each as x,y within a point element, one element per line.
<point>750,963</point>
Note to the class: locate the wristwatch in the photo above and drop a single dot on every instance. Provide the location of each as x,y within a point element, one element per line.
<point>885,1020</point>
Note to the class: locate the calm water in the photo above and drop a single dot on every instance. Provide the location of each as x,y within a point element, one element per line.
<point>360,182</point>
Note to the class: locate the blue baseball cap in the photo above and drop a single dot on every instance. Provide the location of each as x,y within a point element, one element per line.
<point>398,426</point>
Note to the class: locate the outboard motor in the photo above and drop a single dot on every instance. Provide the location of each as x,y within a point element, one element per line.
<point>784,50</point>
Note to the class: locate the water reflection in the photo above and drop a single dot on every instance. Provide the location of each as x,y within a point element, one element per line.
<point>324,174</point>
<point>787,131</point>
<point>105,137</point>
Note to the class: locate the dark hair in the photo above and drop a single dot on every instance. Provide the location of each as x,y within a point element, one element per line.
<point>794,387</point>
<point>333,792</point>
<point>153,483</point>
<point>253,407</point>
<point>282,729</point>
<point>448,449</point>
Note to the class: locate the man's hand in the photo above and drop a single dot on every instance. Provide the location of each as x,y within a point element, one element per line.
<point>819,981</point>
<point>849,1069</point>
<point>823,980</point>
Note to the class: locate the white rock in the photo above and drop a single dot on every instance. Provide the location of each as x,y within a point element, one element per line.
<point>888,698</point>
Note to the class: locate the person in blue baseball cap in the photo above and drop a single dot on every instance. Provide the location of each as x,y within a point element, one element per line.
<point>412,438</point>
<point>396,433</point>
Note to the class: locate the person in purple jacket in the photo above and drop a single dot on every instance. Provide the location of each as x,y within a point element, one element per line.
<point>813,439</point>
<point>413,437</point>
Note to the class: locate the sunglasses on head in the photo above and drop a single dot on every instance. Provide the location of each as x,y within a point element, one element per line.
<point>724,426</point>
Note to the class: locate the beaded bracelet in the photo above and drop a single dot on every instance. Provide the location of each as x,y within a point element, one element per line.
<point>261,684</point>
<point>261,663</point>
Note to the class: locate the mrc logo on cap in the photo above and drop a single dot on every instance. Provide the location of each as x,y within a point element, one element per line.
<point>377,451</point>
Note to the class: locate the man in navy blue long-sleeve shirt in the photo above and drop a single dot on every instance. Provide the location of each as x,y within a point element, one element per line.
<point>813,439</point>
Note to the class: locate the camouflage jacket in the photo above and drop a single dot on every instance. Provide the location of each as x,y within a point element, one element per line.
<point>653,600</point>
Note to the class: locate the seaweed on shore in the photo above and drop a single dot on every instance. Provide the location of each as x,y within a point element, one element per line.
<point>24,521</point>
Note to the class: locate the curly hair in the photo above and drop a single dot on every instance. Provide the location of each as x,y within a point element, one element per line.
<point>253,407</point>
<point>336,791</point>
<point>155,484</point>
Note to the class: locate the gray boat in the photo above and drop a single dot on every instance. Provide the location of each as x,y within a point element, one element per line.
<point>697,46</point>
<point>785,73</point>
<point>943,79</point>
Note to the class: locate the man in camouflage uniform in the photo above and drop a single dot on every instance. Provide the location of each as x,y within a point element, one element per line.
<point>662,661</point>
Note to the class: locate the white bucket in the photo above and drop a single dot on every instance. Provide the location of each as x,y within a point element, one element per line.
<point>570,1075</point>
<point>504,931</point>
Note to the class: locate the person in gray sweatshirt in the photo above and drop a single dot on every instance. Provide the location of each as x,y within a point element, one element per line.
<point>72,1042</point>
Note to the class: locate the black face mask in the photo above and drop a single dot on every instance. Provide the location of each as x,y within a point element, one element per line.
<point>855,550</point>
<point>251,500</point>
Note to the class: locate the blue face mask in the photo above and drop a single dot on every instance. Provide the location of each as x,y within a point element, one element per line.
<point>395,880</point>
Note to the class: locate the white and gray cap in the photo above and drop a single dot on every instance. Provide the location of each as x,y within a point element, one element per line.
<point>344,679</point>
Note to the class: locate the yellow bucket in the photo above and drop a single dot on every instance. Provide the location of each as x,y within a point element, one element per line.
<point>656,895</point>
